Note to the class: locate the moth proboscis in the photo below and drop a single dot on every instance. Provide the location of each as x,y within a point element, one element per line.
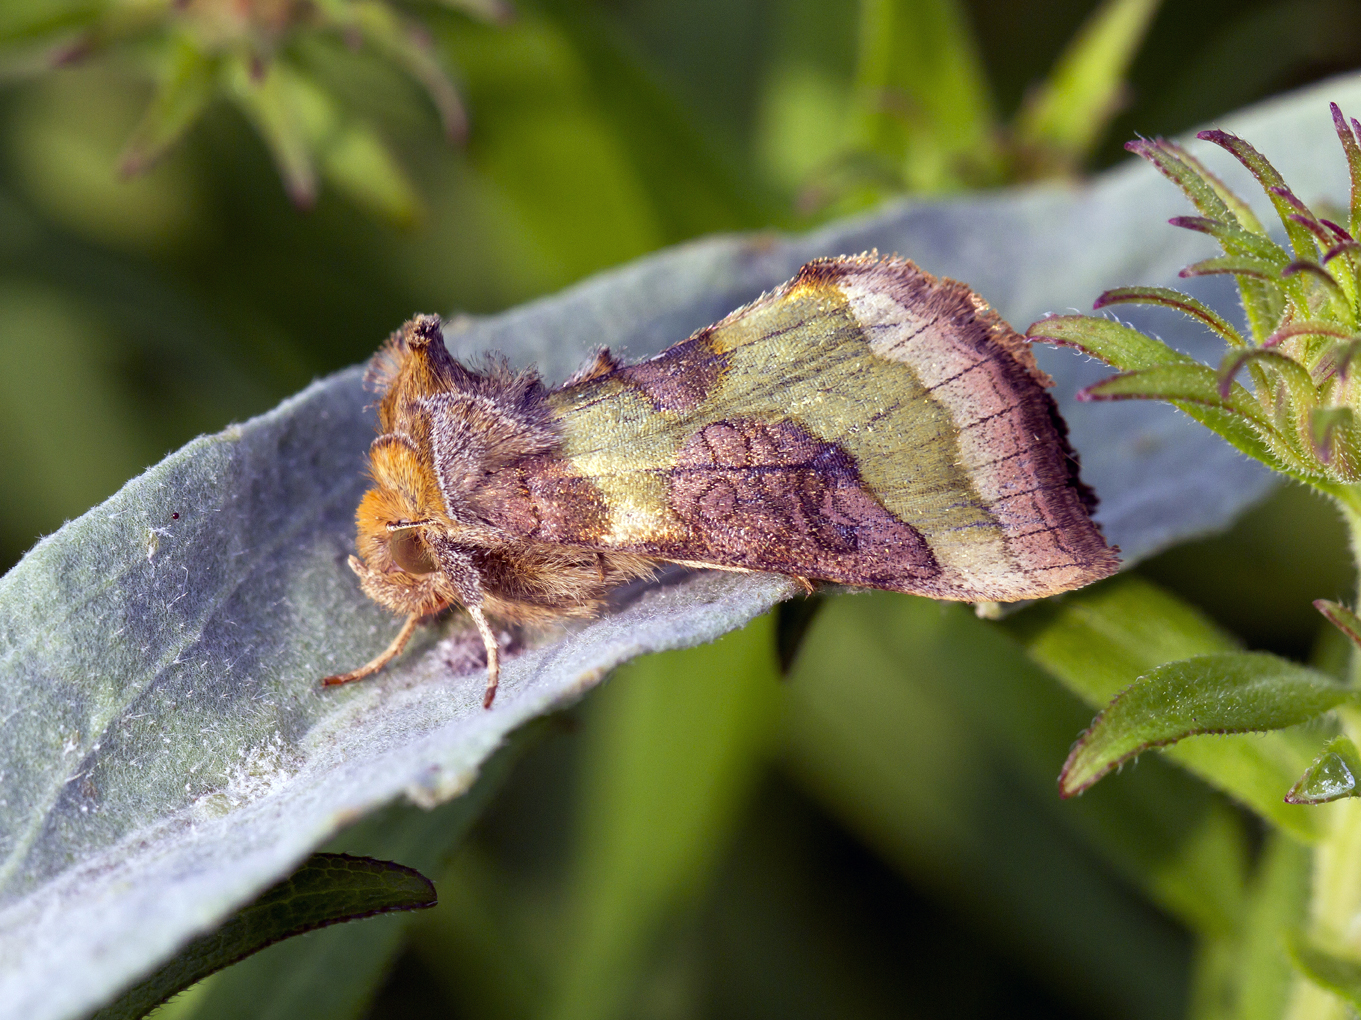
<point>865,424</point>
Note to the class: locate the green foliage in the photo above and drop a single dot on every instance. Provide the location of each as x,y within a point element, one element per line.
<point>879,837</point>
<point>1328,970</point>
<point>1226,692</point>
<point>326,890</point>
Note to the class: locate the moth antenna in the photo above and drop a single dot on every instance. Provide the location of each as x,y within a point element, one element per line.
<point>388,654</point>
<point>493,654</point>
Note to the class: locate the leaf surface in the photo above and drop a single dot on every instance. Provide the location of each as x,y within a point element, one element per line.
<point>326,890</point>
<point>1224,692</point>
<point>1099,640</point>
<point>166,751</point>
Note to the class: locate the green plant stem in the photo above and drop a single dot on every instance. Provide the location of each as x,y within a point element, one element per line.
<point>1335,900</point>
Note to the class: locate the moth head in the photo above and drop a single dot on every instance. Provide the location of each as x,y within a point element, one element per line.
<point>397,565</point>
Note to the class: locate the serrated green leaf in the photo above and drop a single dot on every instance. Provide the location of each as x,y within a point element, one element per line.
<point>1099,640</point>
<point>1224,692</point>
<point>326,890</point>
<point>1332,776</point>
<point>1085,88</point>
<point>1116,344</point>
<point>1340,975</point>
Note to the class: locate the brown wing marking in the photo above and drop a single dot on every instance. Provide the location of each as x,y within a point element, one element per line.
<point>755,495</point>
<point>681,377</point>
<point>768,496</point>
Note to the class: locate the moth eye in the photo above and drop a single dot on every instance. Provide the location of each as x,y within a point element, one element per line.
<point>409,552</point>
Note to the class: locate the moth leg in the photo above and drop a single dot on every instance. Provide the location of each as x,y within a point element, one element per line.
<point>808,587</point>
<point>493,653</point>
<point>456,562</point>
<point>387,655</point>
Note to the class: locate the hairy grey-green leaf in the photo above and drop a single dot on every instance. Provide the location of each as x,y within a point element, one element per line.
<point>166,753</point>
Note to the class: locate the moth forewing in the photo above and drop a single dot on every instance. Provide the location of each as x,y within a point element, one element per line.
<point>866,424</point>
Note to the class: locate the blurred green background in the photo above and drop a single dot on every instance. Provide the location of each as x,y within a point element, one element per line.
<point>878,836</point>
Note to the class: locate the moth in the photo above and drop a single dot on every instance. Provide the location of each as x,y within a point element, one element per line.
<point>865,424</point>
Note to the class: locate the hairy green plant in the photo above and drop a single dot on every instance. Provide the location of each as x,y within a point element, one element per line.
<point>1286,393</point>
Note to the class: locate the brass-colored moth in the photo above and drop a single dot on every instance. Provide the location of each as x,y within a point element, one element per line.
<point>865,424</point>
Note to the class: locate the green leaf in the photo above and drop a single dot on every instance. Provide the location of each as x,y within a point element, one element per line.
<point>1332,776</point>
<point>185,88</point>
<point>409,48</point>
<point>1295,376</point>
<point>923,730</point>
<point>326,890</point>
<point>336,972</point>
<point>270,103</point>
<point>1342,618</point>
<point>1193,383</point>
<point>357,162</point>
<point>1175,299</point>
<point>675,745</point>
<point>1099,640</point>
<point>1351,147</point>
<point>1086,87</point>
<point>1330,428</point>
<point>1273,184</point>
<point>1225,692</point>
<point>1279,902</point>
<point>495,11</point>
<point>1236,240</point>
<point>1116,344</point>
<point>921,92</point>
<point>1340,975</point>
<point>1238,265</point>
<point>1195,182</point>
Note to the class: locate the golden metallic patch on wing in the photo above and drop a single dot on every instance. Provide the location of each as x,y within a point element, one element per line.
<point>796,355</point>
